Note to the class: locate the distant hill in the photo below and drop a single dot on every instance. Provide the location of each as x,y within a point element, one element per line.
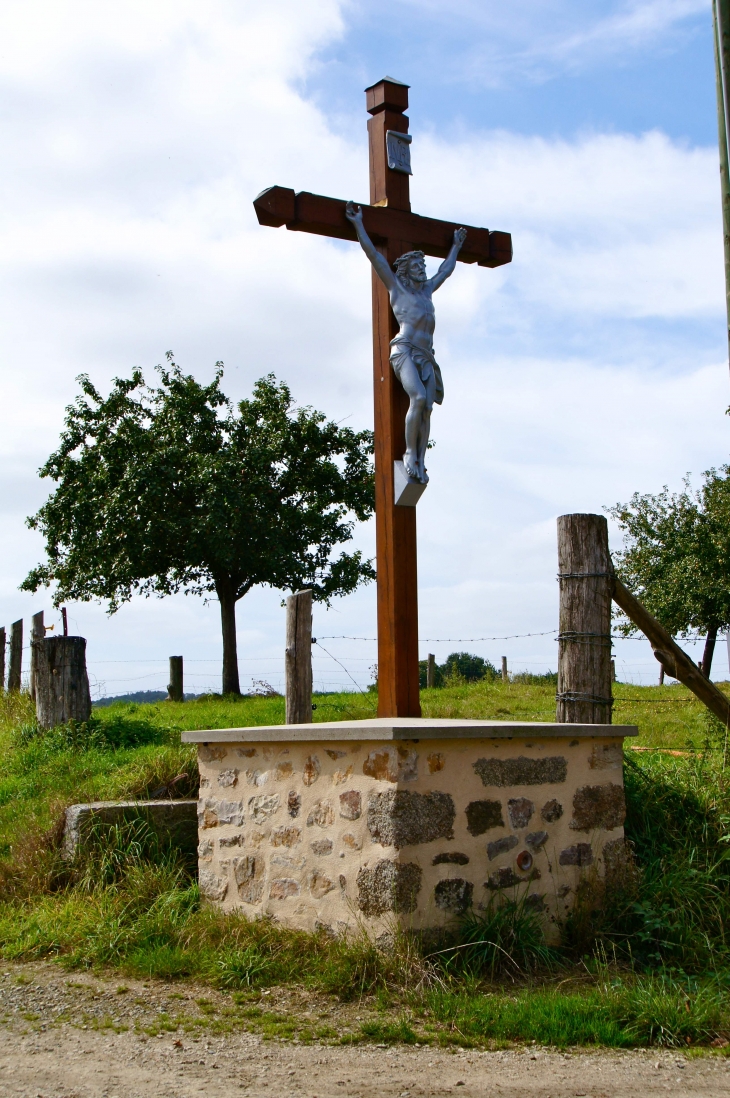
<point>142,696</point>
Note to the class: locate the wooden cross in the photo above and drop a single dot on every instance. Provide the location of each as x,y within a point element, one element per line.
<point>394,230</point>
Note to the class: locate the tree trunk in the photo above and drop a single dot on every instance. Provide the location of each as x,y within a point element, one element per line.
<point>61,682</point>
<point>584,641</point>
<point>709,651</point>
<point>227,599</point>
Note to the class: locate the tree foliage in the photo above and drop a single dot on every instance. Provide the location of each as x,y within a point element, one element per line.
<point>676,556</point>
<point>459,667</point>
<point>170,488</point>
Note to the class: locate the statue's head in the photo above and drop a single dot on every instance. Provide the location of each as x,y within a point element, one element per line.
<point>411,267</point>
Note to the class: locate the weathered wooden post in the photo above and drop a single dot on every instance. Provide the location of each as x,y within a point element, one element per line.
<point>298,658</point>
<point>175,685</point>
<point>584,639</point>
<point>62,684</point>
<point>505,672</point>
<point>2,658</point>
<point>16,656</point>
<point>37,636</point>
<point>431,671</point>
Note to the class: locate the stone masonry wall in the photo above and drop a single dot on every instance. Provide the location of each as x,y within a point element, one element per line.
<point>344,834</point>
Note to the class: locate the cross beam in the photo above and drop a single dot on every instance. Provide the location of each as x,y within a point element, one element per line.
<point>394,230</point>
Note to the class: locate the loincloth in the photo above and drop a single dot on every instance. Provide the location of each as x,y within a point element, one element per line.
<point>402,349</point>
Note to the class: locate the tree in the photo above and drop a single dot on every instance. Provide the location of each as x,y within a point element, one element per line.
<point>676,557</point>
<point>458,666</point>
<point>172,488</point>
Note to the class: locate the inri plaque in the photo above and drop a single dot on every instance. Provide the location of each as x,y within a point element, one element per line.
<point>399,151</point>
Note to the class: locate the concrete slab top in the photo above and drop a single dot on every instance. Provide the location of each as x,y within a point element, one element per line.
<point>407,728</point>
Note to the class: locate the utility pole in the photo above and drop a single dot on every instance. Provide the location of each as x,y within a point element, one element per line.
<point>721,24</point>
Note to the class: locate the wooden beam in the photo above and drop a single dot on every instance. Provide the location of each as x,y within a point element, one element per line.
<point>675,662</point>
<point>314,213</point>
<point>298,658</point>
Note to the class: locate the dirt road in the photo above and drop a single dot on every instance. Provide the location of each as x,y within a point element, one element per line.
<point>71,1036</point>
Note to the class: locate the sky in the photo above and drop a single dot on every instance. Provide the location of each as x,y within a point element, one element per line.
<point>134,140</point>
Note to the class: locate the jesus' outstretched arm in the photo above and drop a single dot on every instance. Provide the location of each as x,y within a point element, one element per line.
<point>353,214</point>
<point>448,265</point>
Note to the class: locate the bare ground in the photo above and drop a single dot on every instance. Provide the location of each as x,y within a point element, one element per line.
<point>86,1036</point>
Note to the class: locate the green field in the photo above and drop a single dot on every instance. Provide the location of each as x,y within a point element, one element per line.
<point>652,966</point>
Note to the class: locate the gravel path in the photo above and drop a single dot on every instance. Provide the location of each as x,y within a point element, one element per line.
<point>81,1036</point>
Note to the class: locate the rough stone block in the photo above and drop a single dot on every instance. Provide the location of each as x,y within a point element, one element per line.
<point>321,847</point>
<point>451,858</point>
<point>285,836</point>
<point>522,771</point>
<point>322,815</point>
<point>401,818</point>
<point>551,811</point>
<point>212,886</point>
<point>481,815</point>
<point>312,770</point>
<point>247,873</point>
<point>320,884</point>
<point>228,778</point>
<point>388,886</point>
<point>262,806</point>
<point>351,805</point>
<point>503,878</point>
<point>536,840</point>
<point>294,804</point>
<point>598,806</point>
<point>454,895</point>
<point>281,888</point>
<point>501,846</point>
<point>227,841</point>
<point>580,854</point>
<point>520,811</point>
<point>175,823</point>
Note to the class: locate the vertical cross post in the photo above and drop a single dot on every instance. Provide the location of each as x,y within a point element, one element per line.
<point>395,527</point>
<point>298,658</point>
<point>16,656</point>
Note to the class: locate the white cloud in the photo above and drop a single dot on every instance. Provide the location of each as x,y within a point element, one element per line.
<point>133,150</point>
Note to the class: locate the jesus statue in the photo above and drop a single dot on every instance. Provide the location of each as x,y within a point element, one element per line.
<point>411,352</point>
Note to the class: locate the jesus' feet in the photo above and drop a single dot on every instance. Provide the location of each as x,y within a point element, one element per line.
<point>411,465</point>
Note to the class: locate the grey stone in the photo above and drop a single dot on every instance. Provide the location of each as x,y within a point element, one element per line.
<point>536,840</point>
<point>388,886</point>
<point>212,886</point>
<point>205,850</point>
<point>580,854</point>
<point>281,888</point>
<point>248,873</point>
<point>320,884</point>
<point>503,878</point>
<point>175,823</point>
<point>451,858</point>
<point>501,846</point>
<point>294,804</point>
<point>228,778</point>
<point>598,806</point>
<point>399,818</point>
<point>551,811</point>
<point>263,806</point>
<point>285,836</point>
<point>351,805</point>
<point>322,814</point>
<point>407,765</point>
<point>522,771</point>
<point>230,840</point>
<point>321,847</point>
<point>536,901</point>
<point>520,811</point>
<point>453,895</point>
<point>481,815</point>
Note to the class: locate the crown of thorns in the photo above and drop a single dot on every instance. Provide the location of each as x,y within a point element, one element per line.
<point>401,263</point>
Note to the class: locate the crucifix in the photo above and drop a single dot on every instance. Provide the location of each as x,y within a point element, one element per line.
<point>395,241</point>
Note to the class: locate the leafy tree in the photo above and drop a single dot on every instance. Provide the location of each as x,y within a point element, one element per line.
<point>172,488</point>
<point>676,557</point>
<point>459,665</point>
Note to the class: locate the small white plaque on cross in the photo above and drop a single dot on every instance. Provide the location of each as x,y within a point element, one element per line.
<point>399,151</point>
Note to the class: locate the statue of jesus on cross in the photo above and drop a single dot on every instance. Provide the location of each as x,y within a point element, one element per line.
<point>411,352</point>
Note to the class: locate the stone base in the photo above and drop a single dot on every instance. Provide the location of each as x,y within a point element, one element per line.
<point>174,822</point>
<point>357,824</point>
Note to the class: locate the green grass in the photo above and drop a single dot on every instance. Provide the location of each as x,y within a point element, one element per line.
<point>134,908</point>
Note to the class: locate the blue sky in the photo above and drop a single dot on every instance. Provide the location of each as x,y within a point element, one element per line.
<point>594,366</point>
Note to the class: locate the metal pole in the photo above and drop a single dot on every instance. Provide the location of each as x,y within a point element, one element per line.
<point>721,26</point>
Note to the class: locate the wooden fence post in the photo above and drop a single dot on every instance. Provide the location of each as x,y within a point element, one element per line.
<point>431,671</point>
<point>175,685</point>
<point>2,659</point>
<point>37,636</point>
<point>16,656</point>
<point>298,658</point>
<point>62,684</point>
<point>505,672</point>
<point>584,639</point>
